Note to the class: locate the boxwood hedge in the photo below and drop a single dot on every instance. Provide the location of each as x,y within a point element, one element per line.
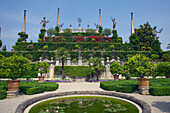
<point>29,87</point>
<point>157,87</point>
<point>34,87</point>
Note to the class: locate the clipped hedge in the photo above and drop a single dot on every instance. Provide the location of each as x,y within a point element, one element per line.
<point>157,87</point>
<point>123,55</point>
<point>71,45</point>
<point>3,89</point>
<point>3,94</point>
<point>33,87</point>
<point>126,86</point>
<point>78,71</point>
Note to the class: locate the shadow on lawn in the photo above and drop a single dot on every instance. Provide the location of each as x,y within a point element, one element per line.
<point>162,105</point>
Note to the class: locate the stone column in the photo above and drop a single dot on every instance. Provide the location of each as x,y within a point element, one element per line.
<point>57,61</point>
<point>132,26</point>
<point>69,61</point>
<point>51,72</point>
<point>24,23</point>
<point>100,21</point>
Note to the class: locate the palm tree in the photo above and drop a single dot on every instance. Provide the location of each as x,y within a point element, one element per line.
<point>62,53</point>
<point>96,67</point>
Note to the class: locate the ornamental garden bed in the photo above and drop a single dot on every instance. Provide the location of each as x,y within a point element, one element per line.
<point>157,87</point>
<point>29,87</point>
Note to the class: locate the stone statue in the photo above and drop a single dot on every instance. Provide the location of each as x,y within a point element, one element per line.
<point>114,24</point>
<point>97,26</point>
<point>155,32</point>
<point>79,22</point>
<point>44,23</point>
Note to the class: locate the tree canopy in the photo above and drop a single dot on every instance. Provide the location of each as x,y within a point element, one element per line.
<point>96,67</point>
<point>107,32</point>
<point>14,66</point>
<point>50,31</point>
<point>146,39</point>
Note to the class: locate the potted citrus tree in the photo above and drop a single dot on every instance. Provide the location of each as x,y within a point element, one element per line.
<point>14,67</point>
<point>42,67</point>
<point>164,68</point>
<point>141,66</point>
<point>116,69</point>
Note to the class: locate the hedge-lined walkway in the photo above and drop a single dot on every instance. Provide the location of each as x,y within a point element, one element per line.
<point>159,104</point>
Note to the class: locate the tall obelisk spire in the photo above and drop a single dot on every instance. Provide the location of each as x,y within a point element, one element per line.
<point>100,21</point>
<point>58,24</point>
<point>132,26</point>
<point>24,23</point>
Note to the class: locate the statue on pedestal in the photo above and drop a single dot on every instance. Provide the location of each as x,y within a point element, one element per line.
<point>97,26</point>
<point>114,24</point>
<point>155,32</point>
<point>44,23</point>
<point>79,21</point>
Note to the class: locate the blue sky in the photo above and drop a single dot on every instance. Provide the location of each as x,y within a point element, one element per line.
<point>156,12</point>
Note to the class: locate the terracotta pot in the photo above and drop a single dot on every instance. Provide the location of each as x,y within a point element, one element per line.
<point>41,79</point>
<point>143,82</point>
<point>116,77</point>
<point>167,75</point>
<point>13,85</point>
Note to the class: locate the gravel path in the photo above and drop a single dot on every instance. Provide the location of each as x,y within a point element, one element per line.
<point>159,104</point>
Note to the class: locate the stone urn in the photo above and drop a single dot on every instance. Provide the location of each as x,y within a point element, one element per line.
<point>167,75</point>
<point>13,85</point>
<point>116,77</point>
<point>143,86</point>
<point>40,78</point>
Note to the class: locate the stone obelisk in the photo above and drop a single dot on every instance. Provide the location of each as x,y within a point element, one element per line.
<point>132,26</point>
<point>100,21</point>
<point>58,18</point>
<point>24,23</point>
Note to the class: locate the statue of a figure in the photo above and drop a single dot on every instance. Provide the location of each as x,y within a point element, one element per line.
<point>44,23</point>
<point>155,32</point>
<point>114,24</point>
<point>97,26</point>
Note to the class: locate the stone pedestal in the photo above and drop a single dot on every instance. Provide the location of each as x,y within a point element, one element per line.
<point>12,94</point>
<point>69,61</point>
<point>144,91</point>
<point>102,60</point>
<point>51,73</point>
<point>57,61</point>
<point>80,61</point>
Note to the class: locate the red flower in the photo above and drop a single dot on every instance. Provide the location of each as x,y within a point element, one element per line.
<point>59,101</point>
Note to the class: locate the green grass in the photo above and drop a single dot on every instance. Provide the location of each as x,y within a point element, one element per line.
<point>84,104</point>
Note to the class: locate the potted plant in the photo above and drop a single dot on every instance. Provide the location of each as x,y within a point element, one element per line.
<point>164,68</point>
<point>142,66</point>
<point>116,69</point>
<point>14,67</point>
<point>42,67</point>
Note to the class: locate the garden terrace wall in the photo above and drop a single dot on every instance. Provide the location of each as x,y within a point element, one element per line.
<point>145,107</point>
<point>123,55</point>
<point>23,46</point>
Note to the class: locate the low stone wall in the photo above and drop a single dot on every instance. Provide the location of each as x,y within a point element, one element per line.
<point>145,107</point>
